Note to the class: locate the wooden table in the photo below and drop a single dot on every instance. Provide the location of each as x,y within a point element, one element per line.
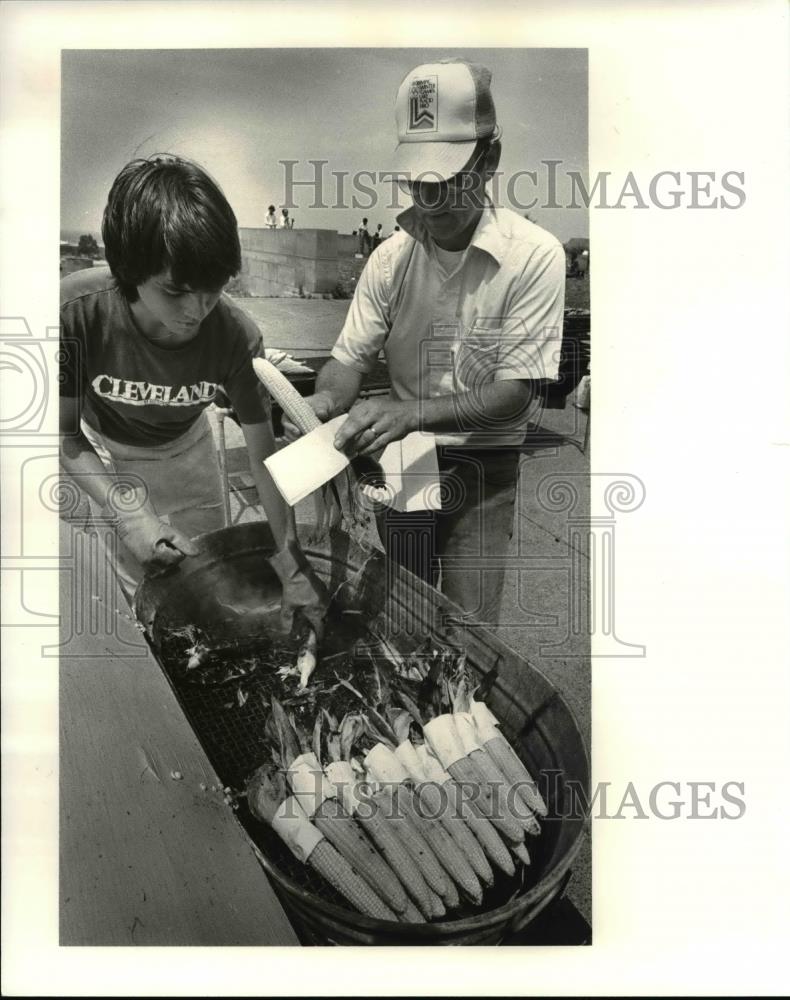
<point>149,852</point>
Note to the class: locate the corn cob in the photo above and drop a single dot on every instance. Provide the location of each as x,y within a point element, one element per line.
<point>502,789</point>
<point>451,899</point>
<point>266,795</point>
<point>341,830</point>
<point>437,802</point>
<point>521,852</point>
<point>437,906</point>
<point>295,408</point>
<point>486,834</point>
<point>511,765</point>
<point>416,844</point>
<point>381,832</point>
<point>468,776</point>
<point>487,837</point>
<point>329,863</point>
<point>447,851</point>
<point>412,915</point>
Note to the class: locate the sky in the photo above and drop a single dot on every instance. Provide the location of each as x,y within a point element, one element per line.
<point>241,112</point>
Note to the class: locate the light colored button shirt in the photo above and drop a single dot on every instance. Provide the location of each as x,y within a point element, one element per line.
<point>498,315</point>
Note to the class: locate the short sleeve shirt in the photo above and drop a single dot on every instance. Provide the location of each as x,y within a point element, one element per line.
<point>138,393</point>
<point>498,315</point>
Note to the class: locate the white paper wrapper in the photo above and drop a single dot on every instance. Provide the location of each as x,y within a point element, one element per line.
<point>465,725</point>
<point>345,782</point>
<point>290,822</point>
<point>408,756</point>
<point>443,739</point>
<point>486,722</point>
<point>309,783</point>
<point>383,766</point>
<point>431,767</point>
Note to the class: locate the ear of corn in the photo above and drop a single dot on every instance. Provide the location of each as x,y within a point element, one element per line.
<point>329,863</point>
<point>342,831</point>
<point>449,854</point>
<point>412,915</point>
<point>451,899</point>
<point>511,765</point>
<point>293,405</point>
<point>383,834</point>
<point>439,801</point>
<point>437,906</point>
<point>468,775</point>
<point>418,847</point>
<point>521,852</point>
<point>504,792</point>
<point>486,834</point>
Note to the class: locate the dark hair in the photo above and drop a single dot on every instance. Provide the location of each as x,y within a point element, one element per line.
<point>166,212</point>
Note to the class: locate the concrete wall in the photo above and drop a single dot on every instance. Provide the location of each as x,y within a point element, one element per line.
<point>289,261</point>
<point>347,245</point>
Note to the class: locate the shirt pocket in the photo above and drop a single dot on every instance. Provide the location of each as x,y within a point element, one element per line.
<point>476,357</point>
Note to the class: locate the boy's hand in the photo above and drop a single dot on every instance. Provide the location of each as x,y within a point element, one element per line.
<point>155,544</point>
<point>302,589</point>
<point>323,407</point>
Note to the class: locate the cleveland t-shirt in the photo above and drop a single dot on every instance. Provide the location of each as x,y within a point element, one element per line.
<point>138,393</point>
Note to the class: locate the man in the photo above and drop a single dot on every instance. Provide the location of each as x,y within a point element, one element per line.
<point>378,236</point>
<point>467,305</point>
<point>271,218</point>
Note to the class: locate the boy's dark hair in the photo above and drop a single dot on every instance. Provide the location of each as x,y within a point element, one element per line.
<point>166,212</point>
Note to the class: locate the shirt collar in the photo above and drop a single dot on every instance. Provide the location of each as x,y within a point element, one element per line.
<point>487,237</point>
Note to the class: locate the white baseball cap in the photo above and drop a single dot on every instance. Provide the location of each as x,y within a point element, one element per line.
<point>441,110</point>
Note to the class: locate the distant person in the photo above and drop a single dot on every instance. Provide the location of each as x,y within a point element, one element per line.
<point>271,218</point>
<point>286,222</point>
<point>364,238</point>
<point>583,263</point>
<point>378,236</point>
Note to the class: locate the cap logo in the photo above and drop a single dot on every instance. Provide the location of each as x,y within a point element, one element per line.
<point>423,100</point>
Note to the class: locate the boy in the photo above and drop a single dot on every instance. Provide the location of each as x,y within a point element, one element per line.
<point>146,344</point>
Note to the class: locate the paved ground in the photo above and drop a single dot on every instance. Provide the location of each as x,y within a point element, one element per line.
<point>538,598</point>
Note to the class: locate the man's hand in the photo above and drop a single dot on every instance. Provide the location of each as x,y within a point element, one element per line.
<point>302,590</point>
<point>323,407</point>
<point>156,545</point>
<point>374,423</point>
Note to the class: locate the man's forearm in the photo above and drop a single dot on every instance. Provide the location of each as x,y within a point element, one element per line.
<point>339,386</point>
<point>465,411</point>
